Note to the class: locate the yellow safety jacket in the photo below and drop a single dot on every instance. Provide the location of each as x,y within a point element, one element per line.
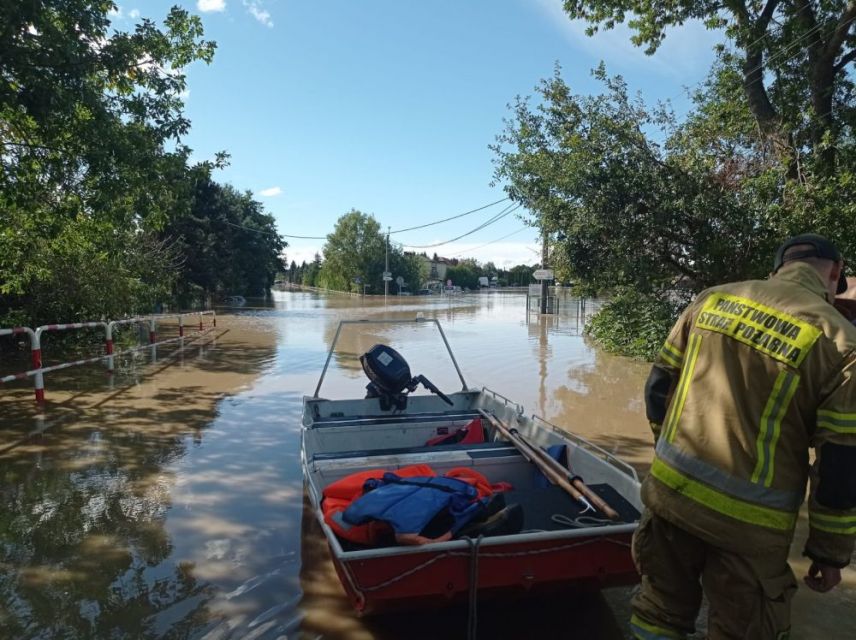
<point>752,375</point>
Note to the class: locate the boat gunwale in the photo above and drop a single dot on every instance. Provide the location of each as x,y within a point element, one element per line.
<point>462,544</point>
<point>520,539</point>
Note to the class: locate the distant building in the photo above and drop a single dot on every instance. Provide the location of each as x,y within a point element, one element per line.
<point>437,267</point>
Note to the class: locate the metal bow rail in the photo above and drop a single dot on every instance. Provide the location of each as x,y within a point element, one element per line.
<point>35,336</point>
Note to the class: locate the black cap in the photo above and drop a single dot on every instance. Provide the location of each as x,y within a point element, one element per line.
<point>820,248</point>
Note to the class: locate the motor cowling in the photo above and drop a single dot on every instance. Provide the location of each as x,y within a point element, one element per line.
<point>390,378</point>
<point>386,368</point>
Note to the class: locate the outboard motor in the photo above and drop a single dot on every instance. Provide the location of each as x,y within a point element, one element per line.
<point>390,378</point>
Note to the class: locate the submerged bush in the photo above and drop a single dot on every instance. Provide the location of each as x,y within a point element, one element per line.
<point>633,324</point>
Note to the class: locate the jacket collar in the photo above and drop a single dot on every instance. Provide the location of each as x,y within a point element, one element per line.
<point>805,276</point>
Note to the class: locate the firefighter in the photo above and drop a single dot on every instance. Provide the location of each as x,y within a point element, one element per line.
<point>752,375</point>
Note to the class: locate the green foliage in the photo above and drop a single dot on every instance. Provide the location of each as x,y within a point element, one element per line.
<point>634,324</point>
<point>97,201</point>
<point>354,254</point>
<point>407,266</point>
<point>708,205</point>
<point>793,60</point>
<point>310,272</point>
<point>227,244</point>
<point>518,276</point>
<point>630,213</point>
<point>465,274</point>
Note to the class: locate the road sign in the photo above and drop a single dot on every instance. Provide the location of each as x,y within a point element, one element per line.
<point>399,281</point>
<point>387,276</point>
<point>543,274</point>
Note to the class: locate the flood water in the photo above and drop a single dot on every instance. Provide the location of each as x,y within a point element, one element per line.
<point>168,501</point>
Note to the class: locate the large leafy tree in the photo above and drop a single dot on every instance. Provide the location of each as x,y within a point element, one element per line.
<point>354,254</point>
<point>465,274</point>
<point>226,244</point>
<point>629,211</point>
<point>91,160</point>
<point>793,56</point>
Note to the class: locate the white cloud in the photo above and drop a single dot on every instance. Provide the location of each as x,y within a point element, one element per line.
<point>270,192</point>
<point>259,12</point>
<point>134,14</point>
<point>211,5</point>
<point>115,12</point>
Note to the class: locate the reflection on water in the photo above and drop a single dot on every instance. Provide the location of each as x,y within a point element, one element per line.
<point>171,506</point>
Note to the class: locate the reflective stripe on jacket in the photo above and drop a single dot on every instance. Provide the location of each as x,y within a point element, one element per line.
<point>752,375</point>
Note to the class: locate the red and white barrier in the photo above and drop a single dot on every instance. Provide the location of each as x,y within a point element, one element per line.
<point>38,371</point>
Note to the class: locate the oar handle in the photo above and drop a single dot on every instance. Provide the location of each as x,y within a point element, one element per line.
<point>586,495</point>
<point>532,456</point>
<point>575,480</point>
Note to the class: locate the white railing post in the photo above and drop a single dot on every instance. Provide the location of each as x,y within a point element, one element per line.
<point>108,346</point>
<point>38,378</point>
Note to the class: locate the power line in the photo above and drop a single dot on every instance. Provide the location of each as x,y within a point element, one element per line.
<point>421,226</point>
<point>460,215</point>
<point>285,235</point>
<point>509,209</point>
<point>261,231</point>
<point>777,55</point>
<point>482,246</point>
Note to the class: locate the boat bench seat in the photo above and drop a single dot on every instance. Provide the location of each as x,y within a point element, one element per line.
<point>475,450</point>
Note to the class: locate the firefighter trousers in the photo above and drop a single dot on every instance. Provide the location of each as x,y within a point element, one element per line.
<point>749,597</point>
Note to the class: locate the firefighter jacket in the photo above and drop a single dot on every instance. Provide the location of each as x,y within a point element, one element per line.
<point>751,377</point>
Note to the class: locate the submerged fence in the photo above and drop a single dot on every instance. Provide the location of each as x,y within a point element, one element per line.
<point>150,322</point>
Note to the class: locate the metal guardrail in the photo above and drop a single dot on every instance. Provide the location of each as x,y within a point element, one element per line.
<point>38,371</point>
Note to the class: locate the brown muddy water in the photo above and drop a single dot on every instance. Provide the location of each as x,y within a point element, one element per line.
<point>168,501</point>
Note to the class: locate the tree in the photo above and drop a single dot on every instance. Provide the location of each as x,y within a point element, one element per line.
<point>227,243</point>
<point>407,266</point>
<point>520,276</point>
<point>630,213</point>
<point>792,55</point>
<point>311,271</point>
<point>465,274</point>
<point>91,160</point>
<point>355,249</point>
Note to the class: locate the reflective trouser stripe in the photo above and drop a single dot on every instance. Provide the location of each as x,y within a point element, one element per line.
<point>843,525</point>
<point>721,480</point>
<point>721,502</point>
<point>771,425</point>
<point>677,404</point>
<point>672,355</point>
<point>837,422</point>
<point>647,631</point>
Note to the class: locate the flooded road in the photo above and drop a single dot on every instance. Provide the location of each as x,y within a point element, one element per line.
<point>171,505</point>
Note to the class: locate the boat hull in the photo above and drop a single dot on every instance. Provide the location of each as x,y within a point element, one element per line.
<point>432,579</point>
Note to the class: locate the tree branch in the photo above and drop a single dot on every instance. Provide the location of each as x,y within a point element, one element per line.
<point>767,13</point>
<point>841,30</point>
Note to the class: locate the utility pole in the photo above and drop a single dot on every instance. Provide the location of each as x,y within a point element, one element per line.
<point>545,284</point>
<point>386,269</point>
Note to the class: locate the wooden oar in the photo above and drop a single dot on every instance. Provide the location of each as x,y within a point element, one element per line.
<point>553,469</point>
<point>532,456</point>
<point>581,486</point>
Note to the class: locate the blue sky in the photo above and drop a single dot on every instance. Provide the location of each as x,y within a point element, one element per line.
<point>388,106</point>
